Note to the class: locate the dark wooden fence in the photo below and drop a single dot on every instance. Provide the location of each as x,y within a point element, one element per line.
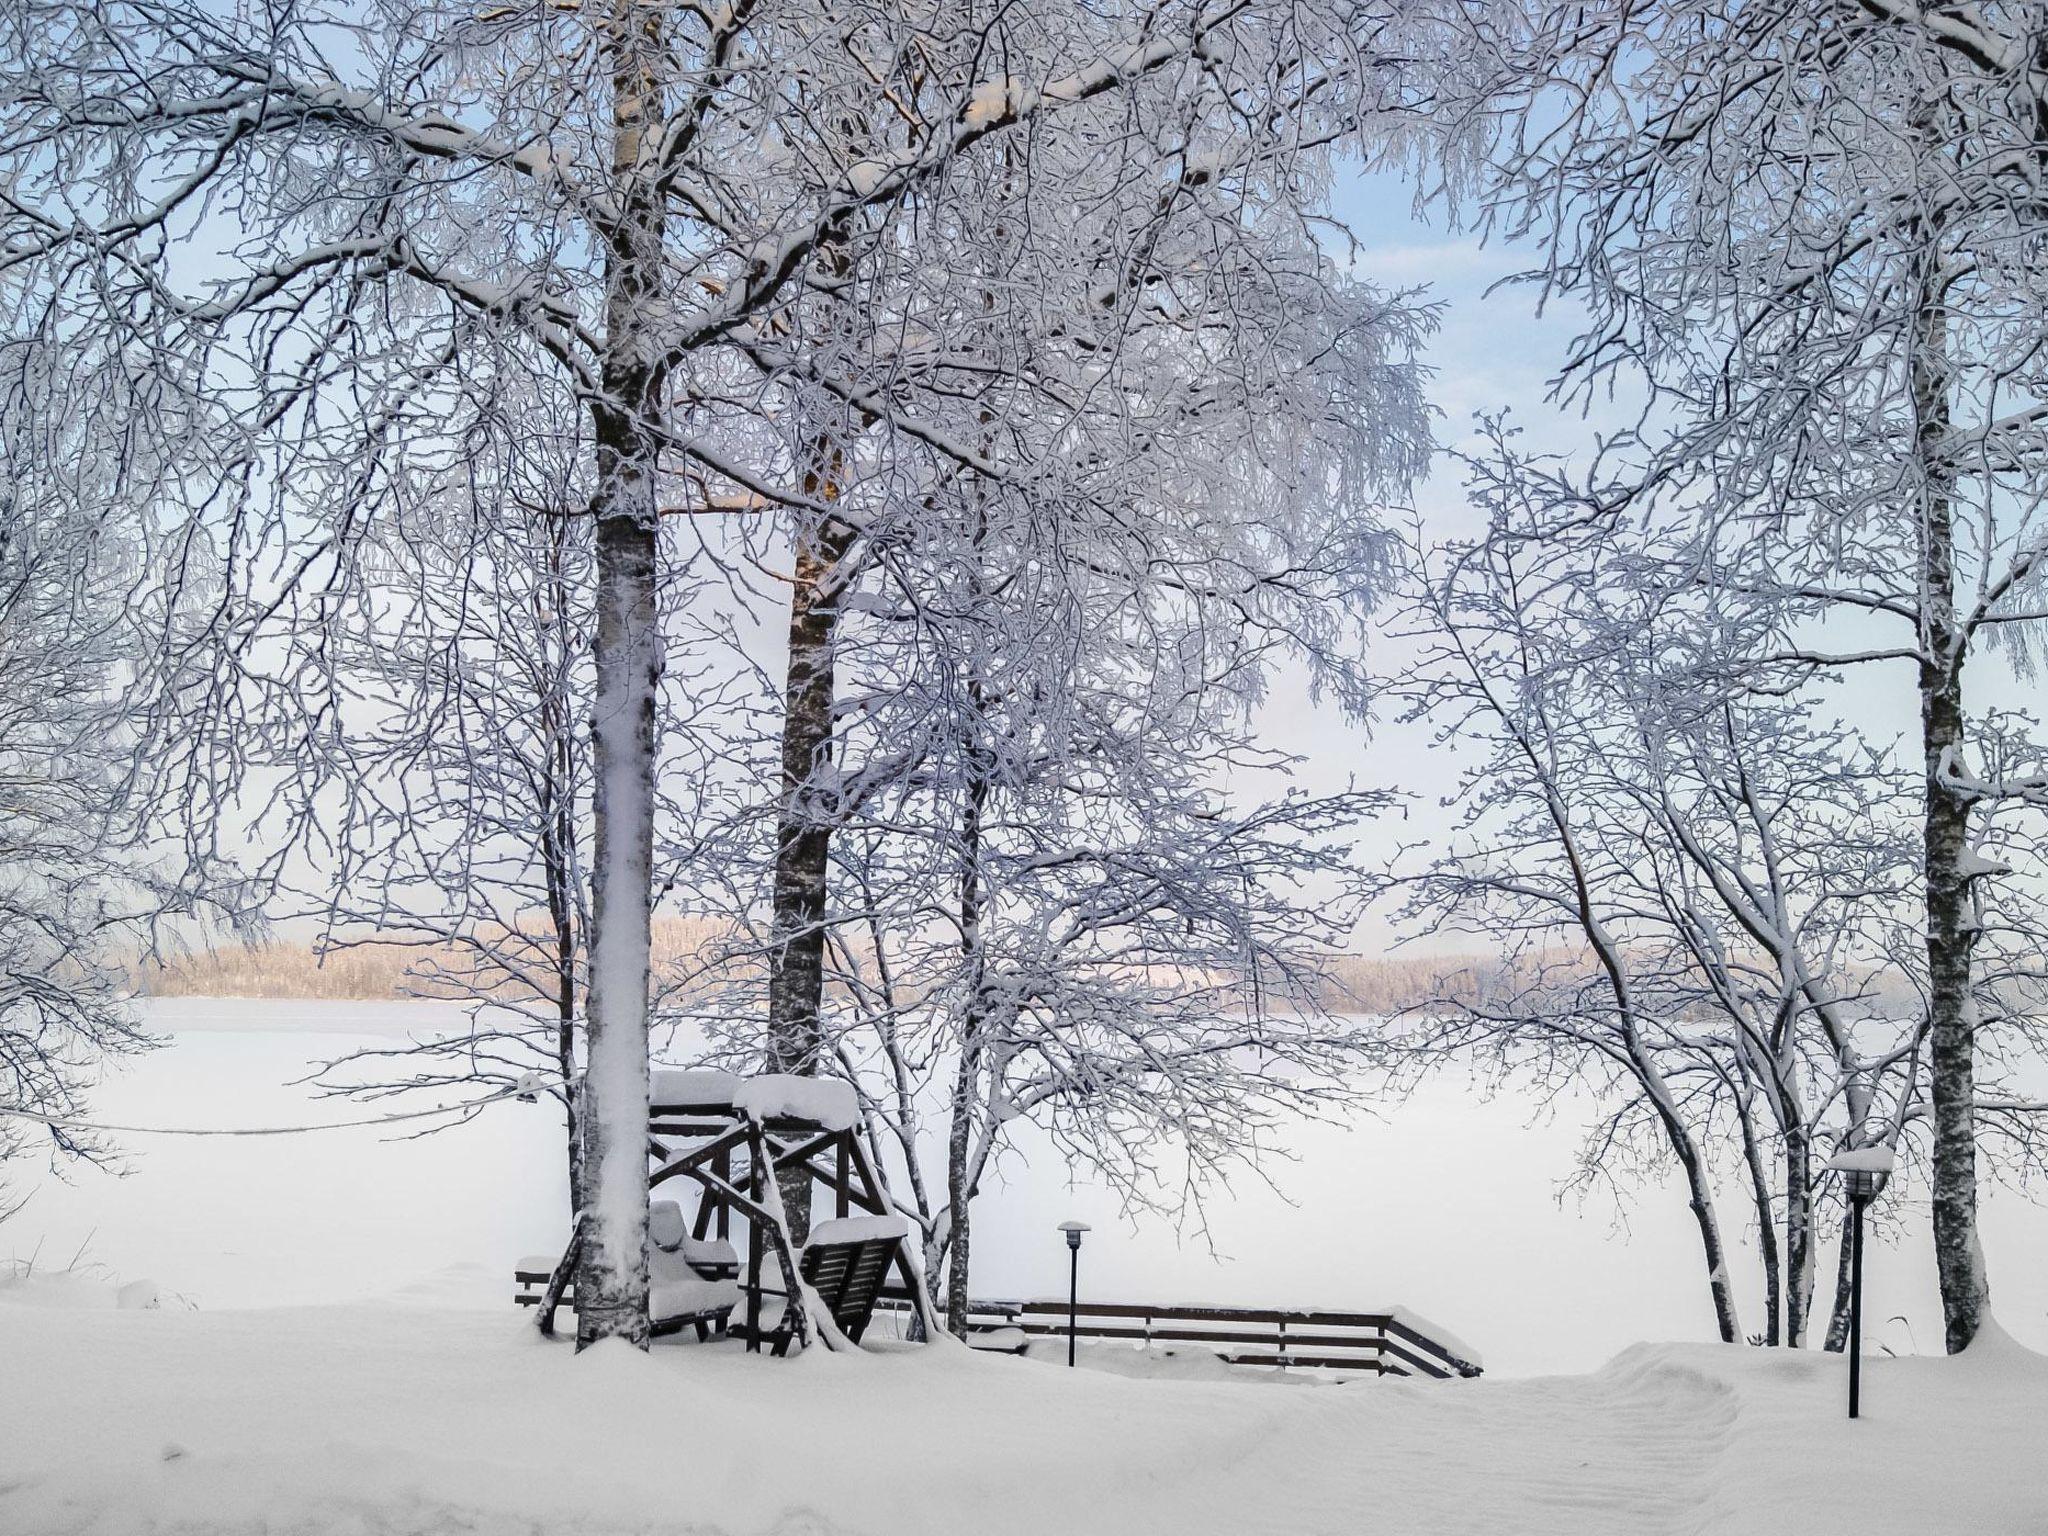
<point>1334,1343</point>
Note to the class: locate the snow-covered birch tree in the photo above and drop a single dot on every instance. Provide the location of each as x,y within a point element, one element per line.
<point>1813,232</point>
<point>462,784</point>
<point>1693,877</point>
<point>1539,867</point>
<point>1060,653</point>
<point>461,790</point>
<point>301,228</point>
<point>87,892</point>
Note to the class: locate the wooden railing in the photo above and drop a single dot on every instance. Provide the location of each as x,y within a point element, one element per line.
<point>1333,1343</point>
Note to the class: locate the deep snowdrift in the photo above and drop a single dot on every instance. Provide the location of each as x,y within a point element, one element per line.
<point>413,1418</point>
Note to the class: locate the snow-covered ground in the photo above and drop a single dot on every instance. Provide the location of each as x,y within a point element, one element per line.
<point>336,1352</point>
<point>1444,1203</point>
<point>391,1419</point>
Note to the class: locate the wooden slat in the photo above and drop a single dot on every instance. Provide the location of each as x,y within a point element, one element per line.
<point>1431,1347</point>
<point>1436,1368</point>
<point>1054,1307</point>
<point>1086,1331</point>
<point>848,1279</point>
<point>1085,1309</point>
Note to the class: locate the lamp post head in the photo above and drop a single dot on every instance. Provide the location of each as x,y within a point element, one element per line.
<point>1864,1170</point>
<point>1074,1229</point>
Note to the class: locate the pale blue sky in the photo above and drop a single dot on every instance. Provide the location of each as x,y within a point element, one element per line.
<point>1492,352</point>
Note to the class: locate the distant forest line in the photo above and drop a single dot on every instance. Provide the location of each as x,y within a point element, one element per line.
<point>371,971</point>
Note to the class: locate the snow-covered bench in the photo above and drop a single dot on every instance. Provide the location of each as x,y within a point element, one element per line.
<point>693,1282</point>
<point>671,1248</point>
<point>742,1143</point>
<point>845,1262</point>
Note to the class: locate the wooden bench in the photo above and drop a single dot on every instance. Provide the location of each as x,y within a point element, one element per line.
<point>692,1282</point>
<point>845,1262</point>
<point>1335,1344</point>
<point>847,1270</point>
<point>708,1321</point>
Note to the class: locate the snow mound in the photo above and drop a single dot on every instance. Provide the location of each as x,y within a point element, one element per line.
<point>666,1228</point>
<point>825,1101</point>
<point>1159,1362</point>
<point>670,1233</point>
<point>670,1086</point>
<point>1996,1355</point>
<point>1877,1159</point>
<point>71,1290</point>
<point>690,1297</point>
<point>859,1229</point>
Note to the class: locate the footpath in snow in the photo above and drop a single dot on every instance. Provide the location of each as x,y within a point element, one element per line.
<point>413,1418</point>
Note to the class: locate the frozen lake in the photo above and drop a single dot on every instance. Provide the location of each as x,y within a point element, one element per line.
<point>1445,1203</point>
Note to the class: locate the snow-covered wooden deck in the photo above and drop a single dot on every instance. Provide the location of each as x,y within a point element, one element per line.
<point>1337,1342</point>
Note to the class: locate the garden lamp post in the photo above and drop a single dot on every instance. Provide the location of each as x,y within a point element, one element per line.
<point>1864,1171</point>
<point>1073,1229</point>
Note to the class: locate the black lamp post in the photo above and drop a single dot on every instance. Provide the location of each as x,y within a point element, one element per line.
<point>1073,1229</point>
<point>1864,1171</point>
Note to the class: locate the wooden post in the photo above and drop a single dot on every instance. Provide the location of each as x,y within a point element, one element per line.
<point>701,1227</point>
<point>754,1238</point>
<point>558,1282</point>
<point>724,1167</point>
<point>1856,1203</point>
<point>912,1270</point>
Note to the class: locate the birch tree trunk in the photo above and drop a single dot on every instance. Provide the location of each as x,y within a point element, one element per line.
<point>611,1275</point>
<point>803,830</point>
<point>807,807</point>
<point>961,1172</point>
<point>556,812</point>
<point>959,1184</point>
<point>1951,936</point>
<point>1698,1187</point>
<point>565,1055</point>
<point>1700,1198</point>
<point>1611,957</point>
<point>611,1272</point>
<point>1838,1314</point>
<point>1766,1228</point>
<point>1798,1236</point>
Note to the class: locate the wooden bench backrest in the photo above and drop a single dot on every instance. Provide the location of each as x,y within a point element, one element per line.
<point>848,1278</point>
